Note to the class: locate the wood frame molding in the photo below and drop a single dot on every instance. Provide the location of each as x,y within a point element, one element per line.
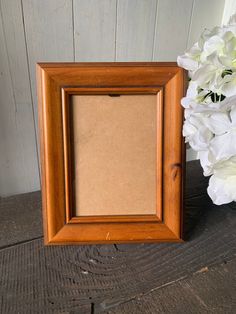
<point>56,83</point>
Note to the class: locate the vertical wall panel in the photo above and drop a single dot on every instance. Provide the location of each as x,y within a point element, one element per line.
<point>172,27</point>
<point>135,30</point>
<point>206,14</point>
<point>229,10</point>
<point>94,30</point>
<point>18,158</point>
<point>49,35</point>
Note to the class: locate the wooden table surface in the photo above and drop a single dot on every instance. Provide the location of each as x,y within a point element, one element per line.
<point>198,276</point>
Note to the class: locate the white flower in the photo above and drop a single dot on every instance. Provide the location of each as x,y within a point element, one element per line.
<point>227,86</point>
<point>222,184</point>
<point>196,132</point>
<point>223,145</point>
<point>213,130</point>
<point>190,59</point>
<point>191,95</point>
<point>211,55</point>
<point>221,125</point>
<point>210,108</point>
<point>207,162</point>
<point>206,75</point>
<point>217,122</point>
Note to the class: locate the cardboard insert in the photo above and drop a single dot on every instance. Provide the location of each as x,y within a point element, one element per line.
<point>114,140</point>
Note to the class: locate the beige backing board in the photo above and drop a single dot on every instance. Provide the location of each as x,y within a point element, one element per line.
<point>115,154</point>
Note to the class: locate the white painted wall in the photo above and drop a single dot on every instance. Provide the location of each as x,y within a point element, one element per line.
<point>229,9</point>
<point>79,30</point>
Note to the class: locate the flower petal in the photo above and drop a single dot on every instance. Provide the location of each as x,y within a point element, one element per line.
<point>204,74</point>
<point>217,122</point>
<point>219,191</point>
<point>214,43</point>
<point>187,63</point>
<point>233,115</point>
<point>206,162</point>
<point>229,88</point>
<point>223,146</point>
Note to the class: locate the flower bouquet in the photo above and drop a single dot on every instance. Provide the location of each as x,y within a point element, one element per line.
<point>210,108</point>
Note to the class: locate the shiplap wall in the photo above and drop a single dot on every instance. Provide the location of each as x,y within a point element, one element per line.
<point>81,30</point>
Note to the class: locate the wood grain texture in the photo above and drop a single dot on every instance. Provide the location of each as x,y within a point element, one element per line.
<point>52,163</point>
<point>68,149</point>
<point>21,218</point>
<point>55,187</point>
<point>94,30</point>
<point>19,156</point>
<point>195,277</point>
<point>207,291</point>
<point>135,30</point>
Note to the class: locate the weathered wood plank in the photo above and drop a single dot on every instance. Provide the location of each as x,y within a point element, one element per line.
<point>94,30</point>
<point>21,218</point>
<point>135,30</point>
<point>49,35</point>
<point>65,278</point>
<point>171,36</point>
<point>19,164</point>
<point>209,291</point>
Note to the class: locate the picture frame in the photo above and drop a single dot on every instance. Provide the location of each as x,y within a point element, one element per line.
<point>94,88</point>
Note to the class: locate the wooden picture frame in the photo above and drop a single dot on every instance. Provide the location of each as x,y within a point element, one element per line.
<point>58,83</point>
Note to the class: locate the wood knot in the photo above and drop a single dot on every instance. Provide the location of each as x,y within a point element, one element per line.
<point>175,169</point>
